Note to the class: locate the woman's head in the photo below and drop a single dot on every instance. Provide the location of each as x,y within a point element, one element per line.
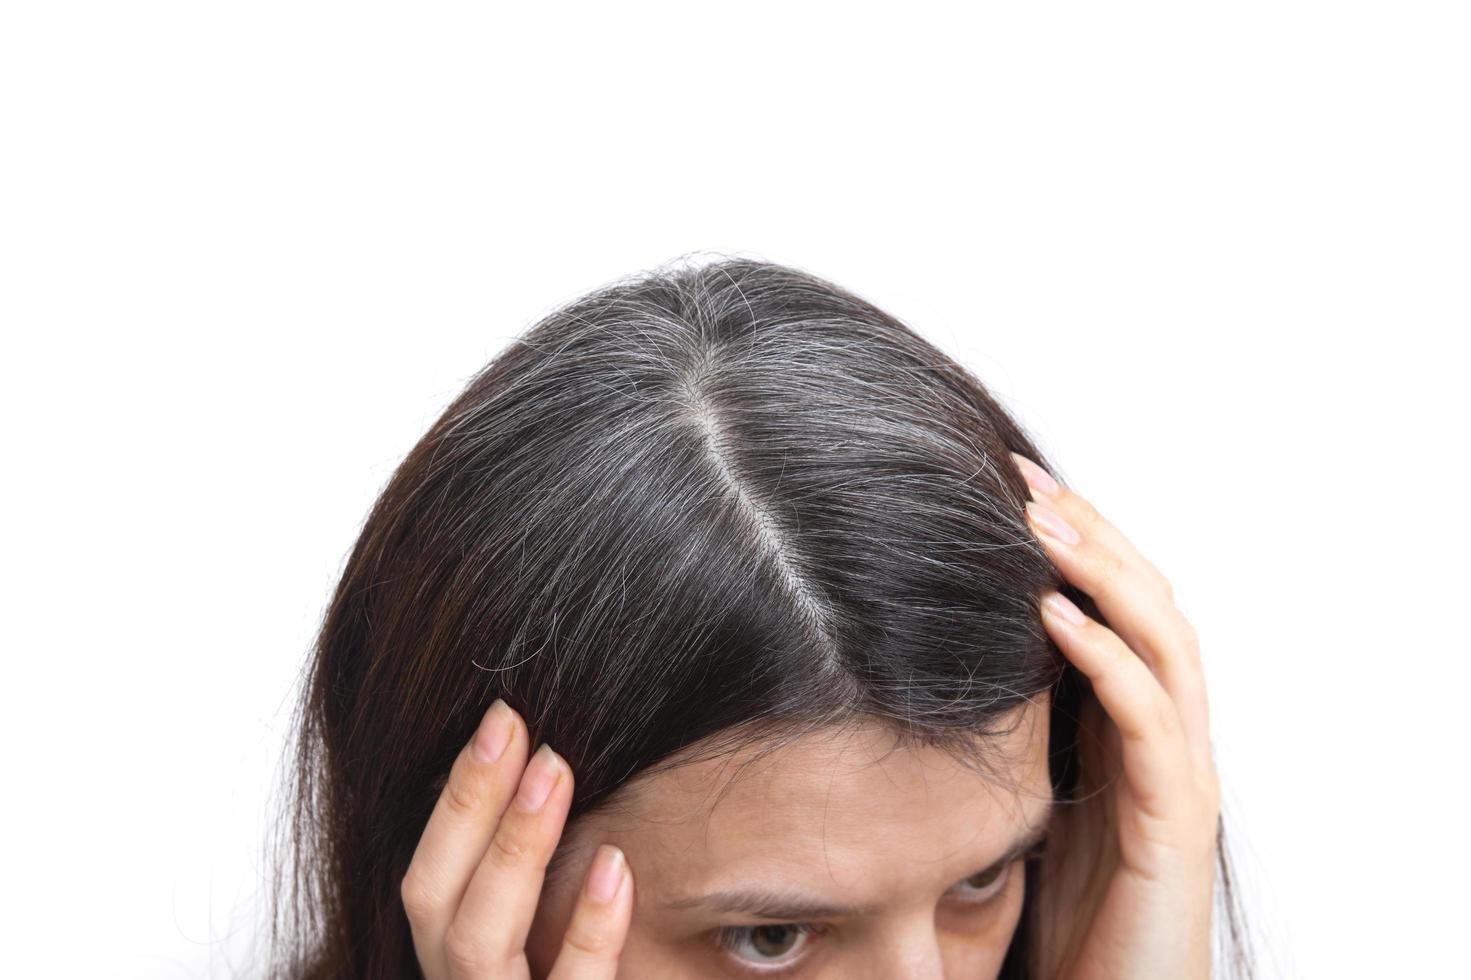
<point>752,557</point>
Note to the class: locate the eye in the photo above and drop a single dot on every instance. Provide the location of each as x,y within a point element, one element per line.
<point>765,945</point>
<point>984,884</point>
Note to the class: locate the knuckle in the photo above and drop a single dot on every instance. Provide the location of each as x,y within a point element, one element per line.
<point>1108,566</point>
<point>1080,509</point>
<point>1115,657</point>
<point>1166,588</point>
<point>508,848</point>
<point>1112,653</point>
<point>1166,716</point>
<point>465,950</point>
<point>419,901</point>
<point>589,940</point>
<point>462,794</point>
<point>1189,638</point>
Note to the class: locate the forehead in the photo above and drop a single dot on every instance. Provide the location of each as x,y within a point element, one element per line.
<point>845,809</point>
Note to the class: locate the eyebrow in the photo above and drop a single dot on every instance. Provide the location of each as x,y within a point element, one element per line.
<point>790,906</point>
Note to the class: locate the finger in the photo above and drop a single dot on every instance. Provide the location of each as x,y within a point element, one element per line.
<point>1078,511</point>
<point>489,930</point>
<point>480,784</point>
<point>1146,620</point>
<point>599,922</point>
<point>1152,739</point>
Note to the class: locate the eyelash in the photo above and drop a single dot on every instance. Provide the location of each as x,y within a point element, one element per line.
<point>730,938</point>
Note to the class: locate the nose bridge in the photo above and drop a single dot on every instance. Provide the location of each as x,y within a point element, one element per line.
<point>908,947</point>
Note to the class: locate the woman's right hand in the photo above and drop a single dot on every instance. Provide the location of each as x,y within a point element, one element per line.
<point>473,885</point>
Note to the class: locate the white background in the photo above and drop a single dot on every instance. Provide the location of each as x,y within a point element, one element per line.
<point>1214,256</point>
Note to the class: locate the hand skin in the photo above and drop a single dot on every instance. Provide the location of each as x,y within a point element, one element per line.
<point>472,887</point>
<point>1129,874</point>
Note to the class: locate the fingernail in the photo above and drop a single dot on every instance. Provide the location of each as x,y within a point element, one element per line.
<point>538,779</point>
<point>494,733</point>
<point>1051,522</point>
<point>1064,607</point>
<point>1037,478</point>
<point>606,874</point>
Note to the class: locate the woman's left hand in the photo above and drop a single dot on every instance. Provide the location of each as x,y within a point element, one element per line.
<point>1128,877</point>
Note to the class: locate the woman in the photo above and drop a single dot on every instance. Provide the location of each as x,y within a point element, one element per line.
<point>721,628</point>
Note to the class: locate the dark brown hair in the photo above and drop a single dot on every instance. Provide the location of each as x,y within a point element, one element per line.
<point>707,504</point>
